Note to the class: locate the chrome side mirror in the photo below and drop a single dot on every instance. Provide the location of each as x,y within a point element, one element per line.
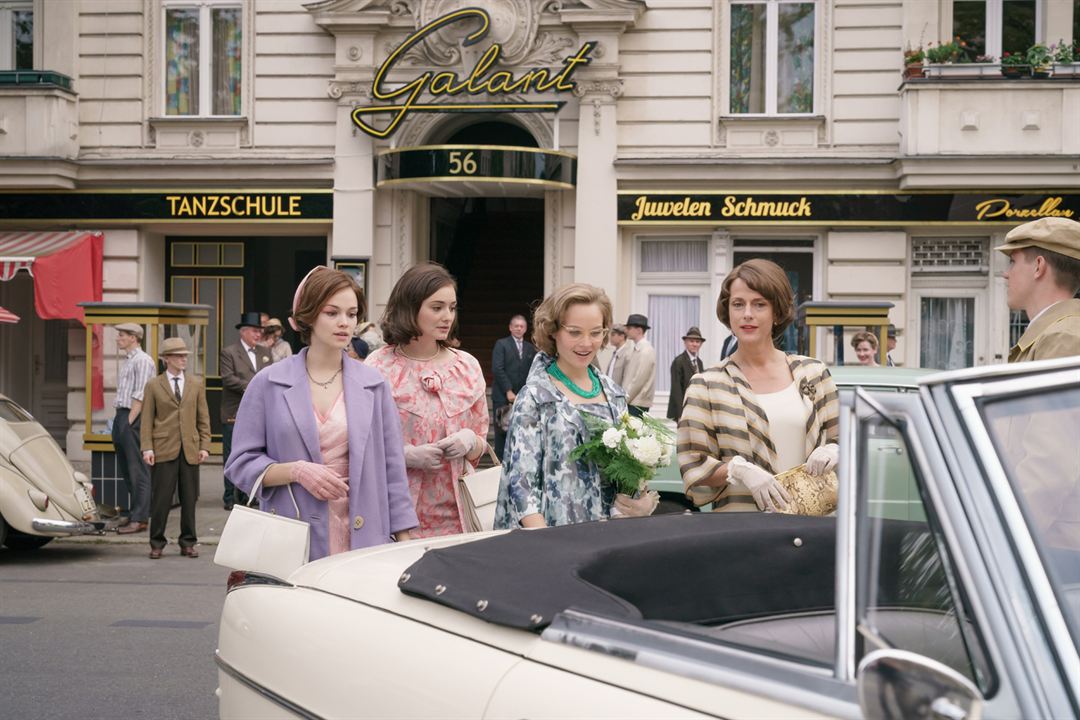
<point>901,685</point>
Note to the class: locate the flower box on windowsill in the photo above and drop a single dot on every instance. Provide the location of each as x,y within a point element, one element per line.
<point>1067,70</point>
<point>962,70</point>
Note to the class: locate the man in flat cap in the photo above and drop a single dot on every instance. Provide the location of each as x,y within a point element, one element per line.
<point>136,371</point>
<point>639,378</point>
<point>175,441</point>
<point>686,365</point>
<point>239,363</point>
<point>1043,277</point>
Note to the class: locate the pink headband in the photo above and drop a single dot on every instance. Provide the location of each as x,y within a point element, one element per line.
<point>296,295</point>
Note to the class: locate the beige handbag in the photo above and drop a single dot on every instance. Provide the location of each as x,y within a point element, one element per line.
<point>262,542</point>
<point>479,491</point>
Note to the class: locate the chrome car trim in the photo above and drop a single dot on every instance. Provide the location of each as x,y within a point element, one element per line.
<point>265,692</point>
<point>844,665</point>
<point>1035,572</point>
<point>713,662</point>
<point>68,527</point>
<point>989,373</point>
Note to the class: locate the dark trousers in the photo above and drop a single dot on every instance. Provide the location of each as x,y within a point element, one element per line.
<point>164,478</point>
<point>637,410</point>
<point>129,462</point>
<point>500,434</point>
<point>231,495</point>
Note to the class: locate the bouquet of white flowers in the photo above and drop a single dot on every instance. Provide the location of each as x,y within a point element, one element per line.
<point>627,453</point>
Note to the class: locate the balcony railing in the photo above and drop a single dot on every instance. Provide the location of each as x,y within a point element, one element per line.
<point>38,115</point>
<point>38,78</point>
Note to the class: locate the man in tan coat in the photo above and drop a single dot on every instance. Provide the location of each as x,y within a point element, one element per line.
<point>639,378</point>
<point>175,441</point>
<point>1043,276</point>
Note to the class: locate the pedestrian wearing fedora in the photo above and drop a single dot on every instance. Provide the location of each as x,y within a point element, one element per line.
<point>686,365</point>
<point>175,441</point>
<point>639,377</point>
<point>136,371</point>
<point>239,363</point>
<point>1043,277</point>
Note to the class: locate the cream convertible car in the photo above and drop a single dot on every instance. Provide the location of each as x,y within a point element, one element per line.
<point>962,601</point>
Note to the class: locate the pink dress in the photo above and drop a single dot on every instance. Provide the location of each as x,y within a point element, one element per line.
<point>334,444</point>
<point>435,399</point>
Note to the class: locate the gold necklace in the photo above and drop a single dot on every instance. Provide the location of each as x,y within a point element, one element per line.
<point>416,359</point>
<point>326,384</point>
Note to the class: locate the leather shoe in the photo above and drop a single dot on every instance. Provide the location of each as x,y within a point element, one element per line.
<point>124,521</point>
<point>190,552</point>
<point>228,506</point>
<point>155,553</point>
<point>133,527</point>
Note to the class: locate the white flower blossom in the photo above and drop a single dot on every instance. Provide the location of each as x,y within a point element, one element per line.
<point>645,450</point>
<point>636,425</point>
<point>612,437</point>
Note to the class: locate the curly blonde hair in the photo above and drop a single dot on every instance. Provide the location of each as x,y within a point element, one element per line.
<point>549,314</point>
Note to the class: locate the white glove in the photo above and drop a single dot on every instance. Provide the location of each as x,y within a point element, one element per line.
<point>457,444</point>
<point>642,506</point>
<point>768,494</point>
<point>423,457</point>
<point>823,459</point>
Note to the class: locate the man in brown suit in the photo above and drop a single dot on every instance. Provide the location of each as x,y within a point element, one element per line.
<point>239,363</point>
<point>1043,276</point>
<point>175,441</point>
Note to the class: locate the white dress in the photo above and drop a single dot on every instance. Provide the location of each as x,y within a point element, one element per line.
<point>787,415</point>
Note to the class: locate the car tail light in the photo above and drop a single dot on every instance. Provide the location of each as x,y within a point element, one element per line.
<point>40,499</point>
<point>242,578</point>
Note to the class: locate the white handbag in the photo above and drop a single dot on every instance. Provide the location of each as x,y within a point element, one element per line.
<point>479,491</point>
<point>262,542</point>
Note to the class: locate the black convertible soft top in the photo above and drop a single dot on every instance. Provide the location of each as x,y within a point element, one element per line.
<point>702,568</point>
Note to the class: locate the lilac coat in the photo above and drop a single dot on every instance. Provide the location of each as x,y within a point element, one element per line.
<point>276,424</point>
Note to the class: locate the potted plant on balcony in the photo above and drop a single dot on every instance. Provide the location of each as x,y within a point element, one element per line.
<point>913,63</point>
<point>957,59</point>
<point>1040,59</point>
<point>1066,59</point>
<point>1015,65</point>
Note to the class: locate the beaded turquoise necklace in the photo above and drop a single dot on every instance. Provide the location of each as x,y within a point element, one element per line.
<point>554,371</point>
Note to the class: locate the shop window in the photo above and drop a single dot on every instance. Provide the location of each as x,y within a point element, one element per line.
<point>202,50</point>
<point>1018,322</point>
<point>772,50</point>
<point>947,332</point>
<point>16,36</point>
<point>674,256</point>
<point>207,255</point>
<point>669,317</point>
<point>950,254</point>
<point>994,27</point>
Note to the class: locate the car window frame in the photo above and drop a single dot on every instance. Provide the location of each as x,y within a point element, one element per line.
<point>967,398</point>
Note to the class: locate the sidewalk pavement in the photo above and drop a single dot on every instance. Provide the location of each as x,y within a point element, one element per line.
<point>210,515</point>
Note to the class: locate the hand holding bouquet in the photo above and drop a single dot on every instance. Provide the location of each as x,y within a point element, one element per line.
<point>628,454</point>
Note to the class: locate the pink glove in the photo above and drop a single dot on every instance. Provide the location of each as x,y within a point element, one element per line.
<point>458,444</point>
<point>768,494</point>
<point>319,480</point>
<point>823,459</point>
<point>423,457</point>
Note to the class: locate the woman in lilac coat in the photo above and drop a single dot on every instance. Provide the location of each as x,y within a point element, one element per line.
<point>322,428</point>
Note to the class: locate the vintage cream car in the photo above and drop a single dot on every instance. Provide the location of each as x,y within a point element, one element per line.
<point>41,496</point>
<point>960,602</point>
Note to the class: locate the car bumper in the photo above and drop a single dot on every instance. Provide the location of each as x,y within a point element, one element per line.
<point>72,527</point>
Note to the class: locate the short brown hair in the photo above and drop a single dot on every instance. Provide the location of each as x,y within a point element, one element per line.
<point>1066,269</point>
<point>319,287</point>
<point>864,337</point>
<point>765,277</point>
<point>549,314</point>
<point>416,285</point>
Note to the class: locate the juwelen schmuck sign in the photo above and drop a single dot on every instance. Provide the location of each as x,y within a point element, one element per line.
<point>841,208</point>
<point>442,87</point>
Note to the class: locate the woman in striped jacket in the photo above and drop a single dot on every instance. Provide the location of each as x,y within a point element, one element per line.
<point>760,411</point>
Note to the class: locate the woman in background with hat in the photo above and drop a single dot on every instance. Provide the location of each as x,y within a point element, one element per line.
<point>320,430</point>
<point>686,365</point>
<point>272,339</point>
<point>759,412</point>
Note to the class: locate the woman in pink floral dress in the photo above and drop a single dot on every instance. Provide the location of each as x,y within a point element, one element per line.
<point>439,392</point>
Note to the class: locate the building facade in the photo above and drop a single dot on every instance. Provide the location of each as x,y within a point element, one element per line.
<point>215,144</point>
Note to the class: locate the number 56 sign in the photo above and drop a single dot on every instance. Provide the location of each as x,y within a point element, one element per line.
<point>448,163</point>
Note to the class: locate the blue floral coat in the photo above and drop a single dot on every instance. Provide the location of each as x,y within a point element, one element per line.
<point>538,476</point>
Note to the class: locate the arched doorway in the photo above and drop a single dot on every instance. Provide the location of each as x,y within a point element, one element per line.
<point>494,246</point>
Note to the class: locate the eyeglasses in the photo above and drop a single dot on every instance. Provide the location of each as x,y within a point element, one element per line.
<point>576,334</point>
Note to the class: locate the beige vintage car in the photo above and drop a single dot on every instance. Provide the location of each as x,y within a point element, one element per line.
<point>41,496</point>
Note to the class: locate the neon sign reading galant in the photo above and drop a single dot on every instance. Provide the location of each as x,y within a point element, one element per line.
<point>439,84</point>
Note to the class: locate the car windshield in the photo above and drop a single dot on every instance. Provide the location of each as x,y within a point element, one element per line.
<point>1037,437</point>
<point>10,412</point>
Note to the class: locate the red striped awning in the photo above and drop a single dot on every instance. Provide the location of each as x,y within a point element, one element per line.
<point>19,250</point>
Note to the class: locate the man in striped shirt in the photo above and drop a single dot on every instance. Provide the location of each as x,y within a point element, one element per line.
<point>136,371</point>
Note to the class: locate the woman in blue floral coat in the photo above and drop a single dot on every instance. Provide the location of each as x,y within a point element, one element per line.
<point>540,485</point>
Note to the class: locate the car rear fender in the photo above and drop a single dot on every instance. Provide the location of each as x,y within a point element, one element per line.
<point>43,463</point>
<point>15,505</point>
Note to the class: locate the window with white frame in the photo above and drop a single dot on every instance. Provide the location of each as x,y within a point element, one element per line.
<point>16,35</point>
<point>203,46</point>
<point>772,51</point>
<point>995,27</point>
